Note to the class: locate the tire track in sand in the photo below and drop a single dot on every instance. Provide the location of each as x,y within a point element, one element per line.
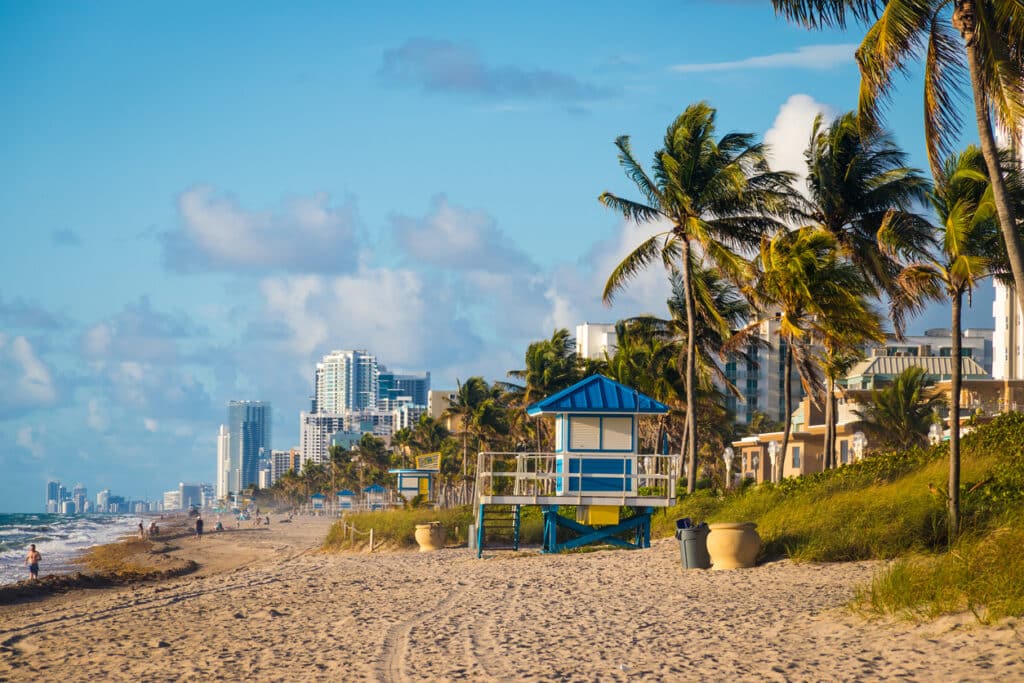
<point>396,642</point>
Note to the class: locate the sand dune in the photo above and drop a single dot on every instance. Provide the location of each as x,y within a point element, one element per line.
<point>267,606</point>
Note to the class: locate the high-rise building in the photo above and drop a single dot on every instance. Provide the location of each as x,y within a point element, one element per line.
<point>346,380</point>
<point>190,495</point>
<point>103,501</point>
<point>53,496</point>
<point>225,482</point>
<point>80,495</point>
<point>315,431</point>
<point>1008,338</point>
<point>249,434</point>
<point>391,386</point>
<point>282,461</point>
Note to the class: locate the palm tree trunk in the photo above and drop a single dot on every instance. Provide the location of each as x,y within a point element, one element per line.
<point>829,457</point>
<point>954,425</point>
<point>787,389</point>
<point>691,374</point>
<point>963,20</point>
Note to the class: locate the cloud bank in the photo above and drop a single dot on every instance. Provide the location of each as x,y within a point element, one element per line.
<point>442,66</point>
<point>217,233</point>
<point>816,57</point>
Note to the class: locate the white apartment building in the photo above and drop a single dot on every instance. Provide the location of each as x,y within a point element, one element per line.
<point>315,430</point>
<point>593,340</point>
<point>346,380</point>
<point>227,481</point>
<point>1007,347</point>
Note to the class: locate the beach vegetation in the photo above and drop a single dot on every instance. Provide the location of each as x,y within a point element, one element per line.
<point>893,506</point>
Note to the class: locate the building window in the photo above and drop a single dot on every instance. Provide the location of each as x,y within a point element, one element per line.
<point>753,461</point>
<point>796,456</point>
<point>844,452</point>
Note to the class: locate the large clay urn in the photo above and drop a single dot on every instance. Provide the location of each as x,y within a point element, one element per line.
<point>733,545</point>
<point>430,536</point>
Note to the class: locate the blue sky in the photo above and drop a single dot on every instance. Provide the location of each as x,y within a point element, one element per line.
<point>200,199</point>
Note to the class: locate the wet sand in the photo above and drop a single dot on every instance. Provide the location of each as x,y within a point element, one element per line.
<point>266,604</point>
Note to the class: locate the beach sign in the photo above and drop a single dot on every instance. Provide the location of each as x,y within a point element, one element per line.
<point>429,461</point>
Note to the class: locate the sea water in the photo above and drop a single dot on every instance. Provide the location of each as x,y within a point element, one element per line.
<point>59,538</point>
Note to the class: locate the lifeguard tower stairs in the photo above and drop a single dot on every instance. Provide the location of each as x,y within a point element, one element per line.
<point>594,467</point>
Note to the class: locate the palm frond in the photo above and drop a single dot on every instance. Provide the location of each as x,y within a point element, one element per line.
<point>636,261</point>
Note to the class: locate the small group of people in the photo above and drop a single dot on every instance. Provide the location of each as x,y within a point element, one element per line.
<point>152,532</point>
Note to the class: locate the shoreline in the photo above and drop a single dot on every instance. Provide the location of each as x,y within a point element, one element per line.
<point>267,604</point>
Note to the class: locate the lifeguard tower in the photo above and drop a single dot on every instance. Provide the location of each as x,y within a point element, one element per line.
<point>316,502</point>
<point>419,481</point>
<point>595,467</point>
<point>375,497</point>
<point>345,499</point>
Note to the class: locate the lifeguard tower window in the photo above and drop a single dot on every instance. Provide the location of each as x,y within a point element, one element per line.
<point>588,433</point>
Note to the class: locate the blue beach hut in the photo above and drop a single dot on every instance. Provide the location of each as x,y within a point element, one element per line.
<point>316,501</point>
<point>375,497</point>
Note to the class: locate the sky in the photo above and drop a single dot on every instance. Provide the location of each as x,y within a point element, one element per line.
<point>202,199</point>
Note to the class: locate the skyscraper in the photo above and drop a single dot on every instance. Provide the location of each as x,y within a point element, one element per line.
<point>346,380</point>
<point>225,483</point>
<point>53,496</point>
<point>249,434</point>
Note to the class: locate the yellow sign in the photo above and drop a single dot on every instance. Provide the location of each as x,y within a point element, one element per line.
<point>430,461</point>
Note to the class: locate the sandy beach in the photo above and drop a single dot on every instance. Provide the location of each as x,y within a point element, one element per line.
<point>265,604</point>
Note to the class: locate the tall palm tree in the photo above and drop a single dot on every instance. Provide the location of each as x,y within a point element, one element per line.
<point>990,40</point>
<point>480,414</point>
<point>968,224</point>
<point>816,293</point>
<point>899,415</point>
<point>709,198</point>
<point>860,189</point>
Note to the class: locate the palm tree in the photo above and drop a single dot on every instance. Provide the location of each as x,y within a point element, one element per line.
<point>816,293</point>
<point>551,365</point>
<point>860,189</point>
<point>968,224</point>
<point>717,196</point>
<point>480,414</point>
<point>991,33</point>
<point>899,415</point>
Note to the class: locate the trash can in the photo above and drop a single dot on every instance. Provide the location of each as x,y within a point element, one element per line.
<point>693,546</point>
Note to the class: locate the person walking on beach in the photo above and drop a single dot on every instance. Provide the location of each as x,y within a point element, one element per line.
<point>32,560</point>
<point>199,528</point>
<point>142,532</point>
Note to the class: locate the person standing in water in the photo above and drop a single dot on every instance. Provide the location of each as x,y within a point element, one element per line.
<point>32,560</point>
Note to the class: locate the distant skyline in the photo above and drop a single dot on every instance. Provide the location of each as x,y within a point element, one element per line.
<point>203,199</point>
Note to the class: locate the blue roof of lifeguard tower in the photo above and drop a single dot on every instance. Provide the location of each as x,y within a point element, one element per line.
<point>345,492</point>
<point>374,488</point>
<point>318,495</point>
<point>598,394</point>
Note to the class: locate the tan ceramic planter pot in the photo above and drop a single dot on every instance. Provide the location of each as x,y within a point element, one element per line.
<point>733,545</point>
<point>430,536</point>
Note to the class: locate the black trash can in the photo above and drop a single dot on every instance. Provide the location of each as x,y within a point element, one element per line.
<point>693,546</point>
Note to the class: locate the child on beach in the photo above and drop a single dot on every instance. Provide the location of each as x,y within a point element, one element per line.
<point>32,560</point>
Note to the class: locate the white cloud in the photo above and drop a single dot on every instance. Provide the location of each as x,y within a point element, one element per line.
<point>788,137</point>
<point>28,439</point>
<point>27,381</point>
<point>97,417</point>
<point>817,57</point>
<point>217,233</point>
<point>461,239</point>
<point>150,424</point>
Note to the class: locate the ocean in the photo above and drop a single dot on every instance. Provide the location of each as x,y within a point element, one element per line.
<point>59,538</point>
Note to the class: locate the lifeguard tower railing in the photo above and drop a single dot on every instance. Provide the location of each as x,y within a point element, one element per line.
<point>564,479</point>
